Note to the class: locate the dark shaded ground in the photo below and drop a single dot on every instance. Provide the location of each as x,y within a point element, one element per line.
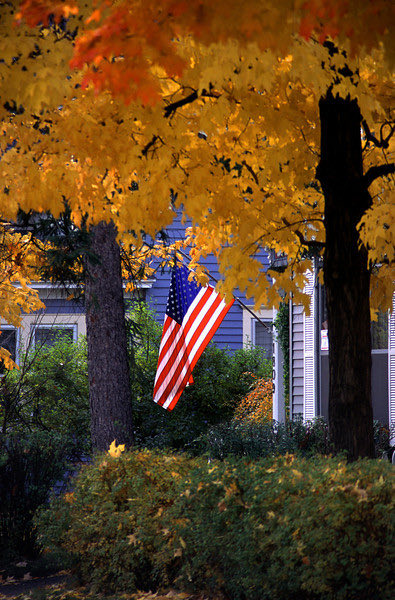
<point>60,587</point>
<point>11,590</point>
<point>43,579</point>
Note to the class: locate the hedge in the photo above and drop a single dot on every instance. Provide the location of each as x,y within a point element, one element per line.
<point>278,528</point>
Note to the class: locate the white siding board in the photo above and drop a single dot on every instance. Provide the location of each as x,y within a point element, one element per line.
<point>298,346</point>
<point>391,370</point>
<point>309,405</point>
<point>297,360</point>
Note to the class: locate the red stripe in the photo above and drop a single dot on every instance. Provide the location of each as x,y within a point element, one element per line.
<point>198,354</point>
<point>202,301</point>
<point>169,322</point>
<point>183,358</point>
<point>181,342</point>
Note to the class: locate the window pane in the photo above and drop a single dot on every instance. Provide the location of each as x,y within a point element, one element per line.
<point>264,337</point>
<point>8,341</point>
<point>47,336</point>
<point>379,330</point>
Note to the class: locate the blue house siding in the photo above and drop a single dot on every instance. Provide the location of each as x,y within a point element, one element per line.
<point>54,306</point>
<point>230,333</point>
<point>228,336</point>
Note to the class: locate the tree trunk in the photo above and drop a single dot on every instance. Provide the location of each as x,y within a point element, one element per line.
<point>346,277</point>
<point>108,368</point>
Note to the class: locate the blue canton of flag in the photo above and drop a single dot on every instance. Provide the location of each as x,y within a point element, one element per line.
<point>193,315</point>
<point>181,294</point>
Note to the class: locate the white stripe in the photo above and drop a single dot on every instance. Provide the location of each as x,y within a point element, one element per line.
<point>198,343</point>
<point>177,337</point>
<point>191,355</point>
<point>173,324</point>
<point>186,317</point>
<point>168,331</point>
<point>195,324</point>
<point>169,355</point>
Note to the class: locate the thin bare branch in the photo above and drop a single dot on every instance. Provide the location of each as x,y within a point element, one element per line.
<point>251,171</point>
<point>171,108</point>
<point>383,142</point>
<point>302,239</point>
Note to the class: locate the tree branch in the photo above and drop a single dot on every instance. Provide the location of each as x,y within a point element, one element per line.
<point>171,108</point>
<point>151,143</point>
<point>383,142</point>
<point>302,239</point>
<point>309,243</point>
<point>378,171</point>
<point>251,171</point>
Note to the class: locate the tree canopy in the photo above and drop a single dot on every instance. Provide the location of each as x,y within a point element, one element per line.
<point>217,102</point>
<point>269,122</point>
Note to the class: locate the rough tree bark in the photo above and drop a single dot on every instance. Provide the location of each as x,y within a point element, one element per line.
<point>108,368</point>
<point>346,277</point>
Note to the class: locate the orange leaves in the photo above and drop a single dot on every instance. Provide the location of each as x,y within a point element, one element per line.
<point>116,451</point>
<point>123,40</point>
<point>36,12</point>
<point>122,49</point>
<point>257,405</point>
<point>321,17</point>
<point>361,22</point>
<point>268,70</point>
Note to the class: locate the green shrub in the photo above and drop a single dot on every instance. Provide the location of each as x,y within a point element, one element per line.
<point>279,529</point>
<point>112,524</point>
<point>290,528</point>
<point>49,392</point>
<point>30,464</point>
<point>262,439</point>
<point>221,380</point>
<point>218,386</point>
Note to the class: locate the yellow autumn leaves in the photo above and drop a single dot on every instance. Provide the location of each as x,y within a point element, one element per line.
<point>240,158</point>
<point>116,451</point>
<point>19,259</point>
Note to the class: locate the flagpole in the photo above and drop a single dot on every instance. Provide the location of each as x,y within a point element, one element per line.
<point>234,296</point>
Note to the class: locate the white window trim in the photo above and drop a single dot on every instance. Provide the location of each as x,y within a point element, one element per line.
<point>265,315</point>
<point>254,323</point>
<point>55,325</point>
<point>17,340</point>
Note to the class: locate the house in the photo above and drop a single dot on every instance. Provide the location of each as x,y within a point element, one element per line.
<point>239,328</point>
<point>309,364</point>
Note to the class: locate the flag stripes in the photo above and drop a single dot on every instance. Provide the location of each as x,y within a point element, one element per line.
<point>183,343</point>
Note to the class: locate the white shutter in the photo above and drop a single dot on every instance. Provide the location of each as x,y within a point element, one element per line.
<point>391,368</point>
<point>309,404</point>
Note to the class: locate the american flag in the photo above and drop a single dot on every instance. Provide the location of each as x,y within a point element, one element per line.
<point>193,315</point>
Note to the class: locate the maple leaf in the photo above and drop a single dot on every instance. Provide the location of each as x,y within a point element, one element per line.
<point>114,450</point>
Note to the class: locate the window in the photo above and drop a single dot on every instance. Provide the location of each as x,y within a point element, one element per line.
<point>47,335</point>
<point>258,332</point>
<point>263,336</point>
<point>9,341</point>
